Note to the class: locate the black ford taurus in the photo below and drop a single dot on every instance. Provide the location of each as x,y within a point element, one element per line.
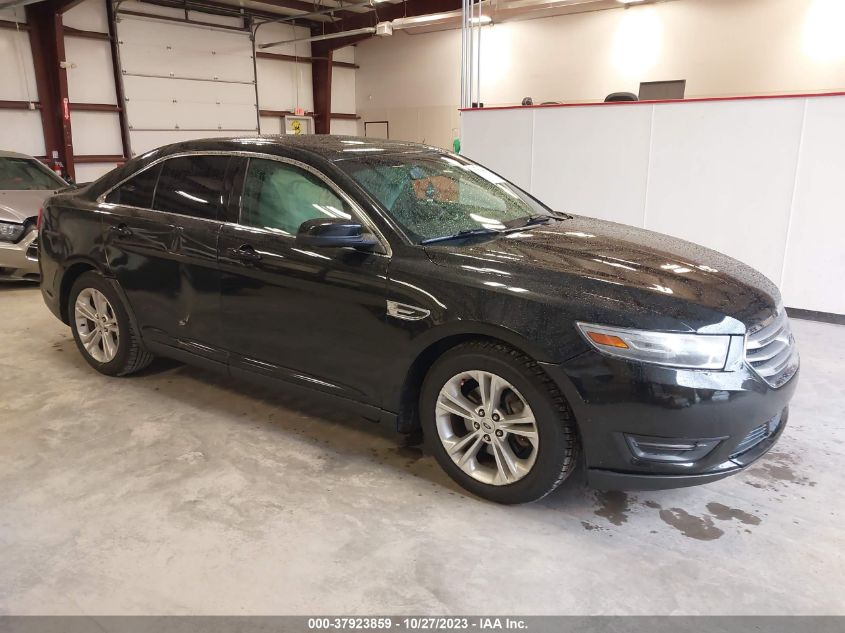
<point>425,291</point>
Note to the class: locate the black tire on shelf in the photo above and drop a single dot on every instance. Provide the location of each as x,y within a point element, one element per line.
<point>131,355</point>
<point>558,440</point>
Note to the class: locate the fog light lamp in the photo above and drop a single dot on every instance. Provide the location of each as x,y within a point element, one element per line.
<point>669,450</point>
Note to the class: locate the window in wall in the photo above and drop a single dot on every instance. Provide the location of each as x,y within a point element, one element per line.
<point>280,197</point>
<point>138,190</point>
<point>193,185</point>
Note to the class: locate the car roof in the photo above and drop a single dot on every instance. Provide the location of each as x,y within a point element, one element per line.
<point>328,147</point>
<point>8,154</point>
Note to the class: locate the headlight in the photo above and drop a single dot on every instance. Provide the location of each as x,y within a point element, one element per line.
<point>10,231</point>
<point>694,351</point>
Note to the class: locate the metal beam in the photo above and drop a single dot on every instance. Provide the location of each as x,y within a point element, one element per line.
<point>94,107</point>
<point>386,12</point>
<point>91,35</point>
<point>14,26</point>
<point>367,30</point>
<point>321,83</point>
<point>46,39</point>
<point>100,158</point>
<point>303,59</point>
<point>295,5</point>
<point>219,8</point>
<point>316,13</point>
<point>170,18</point>
<point>11,4</point>
<point>19,105</point>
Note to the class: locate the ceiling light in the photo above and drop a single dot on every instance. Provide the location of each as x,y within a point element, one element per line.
<point>481,19</point>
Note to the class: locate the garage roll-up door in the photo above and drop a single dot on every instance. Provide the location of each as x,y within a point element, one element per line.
<point>184,81</point>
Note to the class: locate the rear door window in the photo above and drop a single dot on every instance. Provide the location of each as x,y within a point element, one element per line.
<point>193,186</point>
<point>137,191</point>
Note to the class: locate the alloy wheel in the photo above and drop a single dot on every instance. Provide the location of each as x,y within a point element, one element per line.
<point>487,427</point>
<point>96,324</point>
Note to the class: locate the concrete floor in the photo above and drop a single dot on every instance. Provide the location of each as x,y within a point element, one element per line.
<point>179,492</point>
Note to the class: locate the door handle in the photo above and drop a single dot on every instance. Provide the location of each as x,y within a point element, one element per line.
<point>245,253</point>
<point>121,230</point>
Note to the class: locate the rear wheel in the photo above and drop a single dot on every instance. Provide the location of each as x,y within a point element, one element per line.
<point>497,424</point>
<point>102,329</point>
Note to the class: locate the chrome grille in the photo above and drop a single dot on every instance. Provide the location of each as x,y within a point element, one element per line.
<point>770,349</point>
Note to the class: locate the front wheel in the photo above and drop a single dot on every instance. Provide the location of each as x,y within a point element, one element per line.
<point>497,424</point>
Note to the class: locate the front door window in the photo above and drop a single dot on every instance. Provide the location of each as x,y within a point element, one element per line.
<point>279,197</point>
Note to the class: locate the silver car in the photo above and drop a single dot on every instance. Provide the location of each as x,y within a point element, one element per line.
<point>25,183</point>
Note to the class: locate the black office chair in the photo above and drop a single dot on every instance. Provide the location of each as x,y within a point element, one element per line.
<point>621,96</point>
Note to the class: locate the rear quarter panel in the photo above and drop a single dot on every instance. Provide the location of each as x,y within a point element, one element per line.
<point>71,233</point>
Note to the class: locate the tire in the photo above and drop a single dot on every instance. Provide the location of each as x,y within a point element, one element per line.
<point>543,460</point>
<point>128,355</point>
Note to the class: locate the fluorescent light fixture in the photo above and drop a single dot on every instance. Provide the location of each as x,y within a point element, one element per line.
<point>481,19</point>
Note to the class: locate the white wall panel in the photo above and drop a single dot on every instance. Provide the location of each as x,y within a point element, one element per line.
<point>143,7</point>
<point>157,103</point>
<point>222,20</point>
<point>96,133</point>
<point>89,172</point>
<point>89,15</point>
<point>154,47</point>
<point>277,85</point>
<point>271,125</point>
<point>15,14</point>
<point>814,272</point>
<point>281,32</point>
<point>145,141</point>
<point>722,175</point>
<point>343,90</point>
<point>760,179</point>
<point>348,127</point>
<point>345,54</point>
<point>90,79</point>
<point>593,160</point>
<point>17,76</point>
<point>502,140</point>
<point>20,131</point>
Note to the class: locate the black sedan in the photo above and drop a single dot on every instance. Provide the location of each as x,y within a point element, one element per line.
<point>421,289</point>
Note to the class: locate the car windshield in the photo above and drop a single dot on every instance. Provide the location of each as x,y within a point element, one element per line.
<point>26,174</point>
<point>439,195</point>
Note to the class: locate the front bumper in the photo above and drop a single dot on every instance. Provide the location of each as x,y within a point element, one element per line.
<point>726,420</point>
<point>19,261</point>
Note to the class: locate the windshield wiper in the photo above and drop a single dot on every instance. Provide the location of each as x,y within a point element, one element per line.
<point>531,220</point>
<point>539,218</point>
<point>460,235</point>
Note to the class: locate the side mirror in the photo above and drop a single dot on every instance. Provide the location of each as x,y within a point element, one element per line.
<point>334,233</point>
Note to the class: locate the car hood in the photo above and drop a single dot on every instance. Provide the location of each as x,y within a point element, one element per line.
<point>17,206</point>
<point>620,274</point>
